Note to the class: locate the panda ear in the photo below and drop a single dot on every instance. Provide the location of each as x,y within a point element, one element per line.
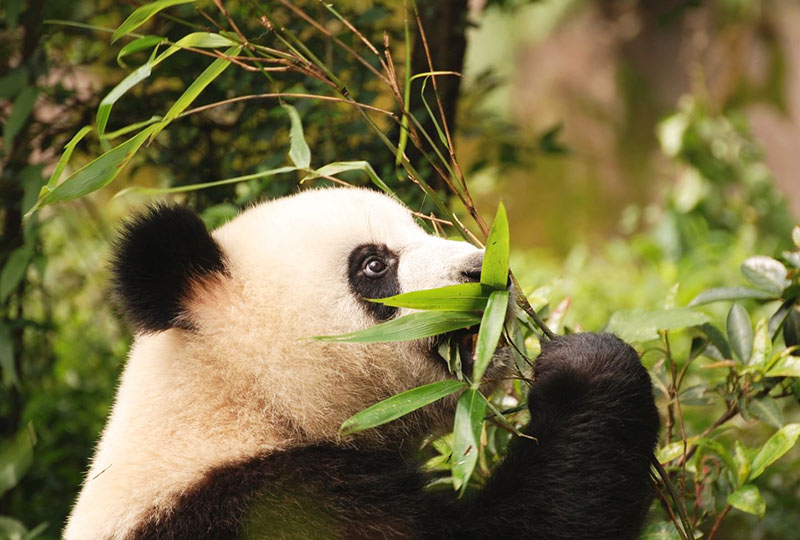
<point>159,255</point>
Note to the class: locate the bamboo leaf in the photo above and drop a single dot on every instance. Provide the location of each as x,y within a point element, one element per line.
<point>494,272</point>
<point>299,153</point>
<point>64,159</point>
<point>141,15</point>
<point>489,333</point>
<point>740,333</point>
<point>729,293</point>
<point>399,405</point>
<point>748,499</point>
<point>138,44</point>
<point>97,174</point>
<point>195,187</point>
<point>461,297</point>
<point>775,447</point>
<point>414,326</point>
<point>332,169</point>
<point>470,412</point>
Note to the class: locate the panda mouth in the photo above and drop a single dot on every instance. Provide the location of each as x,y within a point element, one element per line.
<point>457,349</point>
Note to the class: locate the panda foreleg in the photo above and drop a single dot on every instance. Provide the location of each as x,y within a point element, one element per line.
<point>586,474</point>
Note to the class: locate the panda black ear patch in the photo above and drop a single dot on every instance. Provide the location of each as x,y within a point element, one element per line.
<point>158,255</point>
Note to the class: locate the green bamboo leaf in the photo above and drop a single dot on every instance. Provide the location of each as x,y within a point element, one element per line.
<point>133,78</point>
<point>16,455</point>
<point>414,326</point>
<point>299,153</point>
<point>14,270</point>
<point>767,410</point>
<point>643,325</point>
<point>489,333</point>
<point>461,297</point>
<point>64,159</point>
<point>190,94</point>
<point>729,293</point>
<point>470,412</point>
<point>141,15</point>
<point>332,169</point>
<point>97,174</point>
<point>138,44</point>
<point>740,333</point>
<point>765,273</point>
<point>775,447</point>
<point>748,499</point>
<point>399,405</point>
<point>195,187</point>
<point>494,272</point>
<point>20,110</point>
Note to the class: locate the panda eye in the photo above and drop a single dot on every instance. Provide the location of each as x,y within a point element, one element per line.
<point>375,267</point>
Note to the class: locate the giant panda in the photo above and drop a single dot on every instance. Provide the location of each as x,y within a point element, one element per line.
<point>226,421</point>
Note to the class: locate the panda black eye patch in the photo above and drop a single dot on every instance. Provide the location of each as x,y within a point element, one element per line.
<point>372,273</point>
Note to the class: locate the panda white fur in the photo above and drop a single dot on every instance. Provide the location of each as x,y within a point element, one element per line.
<point>225,424</point>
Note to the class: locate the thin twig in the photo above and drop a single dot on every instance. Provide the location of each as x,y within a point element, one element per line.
<point>718,522</point>
<point>285,95</point>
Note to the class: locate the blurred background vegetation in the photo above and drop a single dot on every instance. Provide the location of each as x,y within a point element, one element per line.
<point>644,149</point>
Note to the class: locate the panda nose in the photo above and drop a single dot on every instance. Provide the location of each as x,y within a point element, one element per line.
<point>472,272</point>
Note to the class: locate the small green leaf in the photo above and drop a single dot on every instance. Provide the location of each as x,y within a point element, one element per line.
<point>299,153</point>
<point>748,499</point>
<point>762,345</point>
<point>97,174</point>
<point>14,270</point>
<point>198,85</point>
<point>674,450</point>
<point>765,273</point>
<point>414,326</point>
<point>470,412</point>
<point>64,159</point>
<point>718,340</point>
<point>20,110</point>
<point>641,325</point>
<point>141,15</point>
<point>742,458</point>
<point>740,333</point>
<point>489,333</point>
<point>729,293</point>
<point>131,80</point>
<point>775,447</point>
<point>332,169</point>
<point>461,297</point>
<point>767,410</point>
<point>16,455</point>
<point>494,272</point>
<point>661,531</point>
<point>399,405</point>
<point>139,44</point>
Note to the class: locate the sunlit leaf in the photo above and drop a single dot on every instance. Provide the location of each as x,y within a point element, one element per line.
<point>414,326</point>
<point>765,273</point>
<point>786,365</point>
<point>489,333</point>
<point>740,333</point>
<point>494,271</point>
<point>139,44</point>
<point>642,325</point>
<point>762,345</point>
<point>64,159</point>
<point>741,456</point>
<point>400,405</point>
<point>661,531</point>
<point>332,169</point>
<point>729,293</point>
<point>748,499</point>
<point>299,153</point>
<point>141,15</point>
<point>775,447</point>
<point>460,297</point>
<point>470,412</point>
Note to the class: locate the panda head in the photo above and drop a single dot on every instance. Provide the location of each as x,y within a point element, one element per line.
<point>229,315</point>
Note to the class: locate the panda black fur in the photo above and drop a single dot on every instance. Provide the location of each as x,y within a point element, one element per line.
<point>226,421</point>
